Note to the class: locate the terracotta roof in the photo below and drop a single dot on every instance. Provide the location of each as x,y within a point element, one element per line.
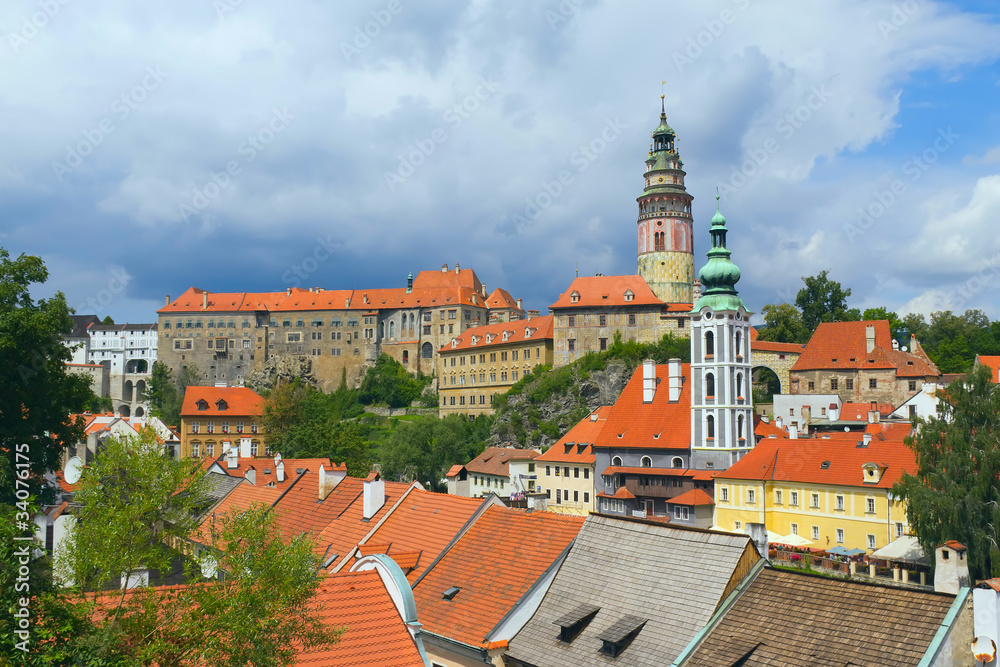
<point>595,291</point>
<point>518,331</point>
<point>501,299</point>
<point>466,278</point>
<point>265,470</point>
<point>656,425</point>
<point>454,470</point>
<point>858,412</point>
<point>577,446</point>
<point>240,402</point>
<point>957,546</point>
<point>798,620</point>
<point>495,460</point>
<point>622,494</point>
<point>240,500</point>
<point>843,345</point>
<point>693,497</point>
<point>63,484</point>
<point>765,429</point>
<point>421,527</point>
<point>836,462</point>
<point>375,632</point>
<point>993,363</point>
<point>494,564</point>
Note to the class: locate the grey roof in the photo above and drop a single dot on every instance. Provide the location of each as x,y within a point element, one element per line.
<point>80,324</point>
<point>674,577</point>
<point>217,487</point>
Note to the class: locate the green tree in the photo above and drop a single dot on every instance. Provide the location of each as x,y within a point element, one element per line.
<point>823,300</point>
<point>134,501</point>
<point>783,324</point>
<point>36,392</point>
<point>166,394</point>
<point>882,313</point>
<point>955,493</point>
<point>915,324</point>
<point>424,449</point>
<point>107,320</point>
<point>388,383</point>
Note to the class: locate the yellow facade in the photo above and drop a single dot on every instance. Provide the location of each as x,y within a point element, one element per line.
<point>210,436</point>
<point>868,520</point>
<point>568,486</point>
<point>469,378</point>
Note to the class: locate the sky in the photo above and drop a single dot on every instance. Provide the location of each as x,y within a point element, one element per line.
<point>254,145</point>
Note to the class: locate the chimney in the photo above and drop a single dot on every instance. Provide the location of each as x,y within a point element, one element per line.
<point>873,415</point>
<point>288,291</point>
<point>793,432</point>
<point>778,422</point>
<point>520,303</point>
<point>167,301</point>
<point>484,290</point>
<point>444,268</point>
<point>374,496</point>
<point>232,459</point>
<point>866,439</point>
<point>456,268</point>
<point>758,533</point>
<point>475,300</point>
<point>952,570</point>
<point>533,314</point>
<point>869,338</point>
<point>251,476</point>
<point>834,412</point>
<point>895,344</point>
<point>328,481</point>
<point>674,380</point>
<point>204,300</point>
<point>696,291</point>
<point>347,302</point>
<point>279,472</point>
<point>648,380</point>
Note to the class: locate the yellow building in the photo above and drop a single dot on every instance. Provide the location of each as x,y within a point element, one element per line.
<point>830,491</point>
<point>485,361</point>
<point>215,418</point>
<point>565,472</point>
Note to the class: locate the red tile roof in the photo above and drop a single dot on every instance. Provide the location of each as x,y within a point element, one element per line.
<point>240,402</point>
<point>803,461</point>
<point>495,460</point>
<point>375,632</point>
<point>765,429</point>
<point>518,331</point>
<point>607,291</point>
<point>579,440</point>
<point>265,470</point>
<point>843,345</point>
<point>694,497</point>
<point>622,494</point>
<point>494,564</point>
<point>768,346</point>
<point>240,500</point>
<point>454,470</point>
<point>656,425</point>
<point>422,525</point>
<point>466,278</point>
<point>992,363</point>
<point>859,411</point>
<point>957,546</point>
<point>501,299</point>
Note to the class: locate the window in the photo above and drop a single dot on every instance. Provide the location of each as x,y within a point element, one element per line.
<point>576,473</point>
<point>253,448</point>
<point>616,461</point>
<point>794,499</point>
<point>548,471</point>
<point>209,427</point>
<point>815,532</point>
<point>737,525</point>
<point>631,319</point>
<point>872,383</point>
<point>913,385</point>
<point>646,462</point>
<point>586,473</point>
<point>899,529</point>
<point>572,344</point>
<point>602,320</point>
<point>795,529</point>
<point>871,506</point>
<point>871,541</point>
<point>566,471</point>
<point>815,501</point>
<point>576,496</point>
<point>586,496</point>
<point>209,449</point>
<point>777,497</point>
<point>225,427</point>
<point>557,470</point>
<point>253,427</point>
<point>834,384</point>
<point>751,496</point>
<point>812,386</point>
<point>710,424</point>
<point>294,337</point>
<point>709,344</point>
<point>709,385</point>
<point>604,344</point>
<point>840,536</point>
<point>195,426</point>
<point>840,503</point>
<point>572,320</point>
<point>558,496</point>
<point>725,494</point>
<point>849,384</point>
<point>195,449</point>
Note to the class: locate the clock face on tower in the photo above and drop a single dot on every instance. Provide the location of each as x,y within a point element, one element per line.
<point>660,179</point>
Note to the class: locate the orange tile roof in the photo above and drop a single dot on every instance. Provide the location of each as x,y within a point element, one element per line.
<point>579,440</point>
<point>803,461</point>
<point>501,299</point>
<point>859,411</point>
<point>656,425</point>
<point>843,345</point>
<point>375,632</point>
<point>423,523</point>
<point>993,363</point>
<point>454,470</point>
<point>494,564</point>
<point>466,278</point>
<point>63,484</point>
<point>240,500</point>
<point>607,291</point>
<point>765,429</point>
<point>495,460</point>
<point>622,494</point>
<point>768,346</point>
<point>694,497</point>
<point>265,470</point>
<point>518,331</point>
<point>957,546</point>
<point>241,401</point>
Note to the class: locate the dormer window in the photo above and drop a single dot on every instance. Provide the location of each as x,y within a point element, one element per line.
<point>629,295</point>
<point>221,405</point>
<point>574,296</point>
<point>202,404</point>
<point>573,623</point>
<point>618,637</point>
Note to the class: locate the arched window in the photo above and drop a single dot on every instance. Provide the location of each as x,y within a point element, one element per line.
<point>392,329</point>
<point>739,427</point>
<point>139,412</point>
<point>646,462</point>
<point>739,346</point>
<point>739,385</point>
<point>709,344</point>
<point>406,356</point>
<point>677,462</point>
<point>616,460</point>
<point>710,426</point>
<point>426,350</point>
<point>709,385</point>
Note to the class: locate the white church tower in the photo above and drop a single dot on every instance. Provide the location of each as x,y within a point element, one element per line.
<point>721,393</point>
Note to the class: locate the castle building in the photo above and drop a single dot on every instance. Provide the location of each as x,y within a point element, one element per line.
<point>666,244</point>
<point>721,395</point>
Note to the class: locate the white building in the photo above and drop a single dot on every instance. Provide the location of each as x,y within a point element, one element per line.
<point>128,351</point>
<point>923,404</point>
<point>801,410</point>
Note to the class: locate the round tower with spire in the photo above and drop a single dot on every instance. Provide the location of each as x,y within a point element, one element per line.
<point>666,247</point>
<point>721,390</point>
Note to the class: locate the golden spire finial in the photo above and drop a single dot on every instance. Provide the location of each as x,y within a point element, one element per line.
<point>662,84</point>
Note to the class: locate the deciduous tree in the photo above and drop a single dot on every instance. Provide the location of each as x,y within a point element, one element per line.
<point>783,324</point>
<point>823,300</point>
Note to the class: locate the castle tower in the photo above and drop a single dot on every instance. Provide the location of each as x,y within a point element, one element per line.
<point>666,247</point>
<point>721,392</point>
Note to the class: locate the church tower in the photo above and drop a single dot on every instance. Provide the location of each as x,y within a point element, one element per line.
<point>666,247</point>
<point>721,392</point>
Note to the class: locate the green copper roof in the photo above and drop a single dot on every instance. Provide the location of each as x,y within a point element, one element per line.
<point>719,276</point>
<point>663,128</point>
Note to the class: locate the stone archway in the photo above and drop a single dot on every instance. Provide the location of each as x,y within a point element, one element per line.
<point>766,383</point>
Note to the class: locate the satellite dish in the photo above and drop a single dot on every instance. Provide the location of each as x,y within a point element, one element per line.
<point>984,649</point>
<point>73,470</point>
<point>847,429</point>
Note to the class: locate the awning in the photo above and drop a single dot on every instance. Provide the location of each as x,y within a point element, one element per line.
<point>904,549</point>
